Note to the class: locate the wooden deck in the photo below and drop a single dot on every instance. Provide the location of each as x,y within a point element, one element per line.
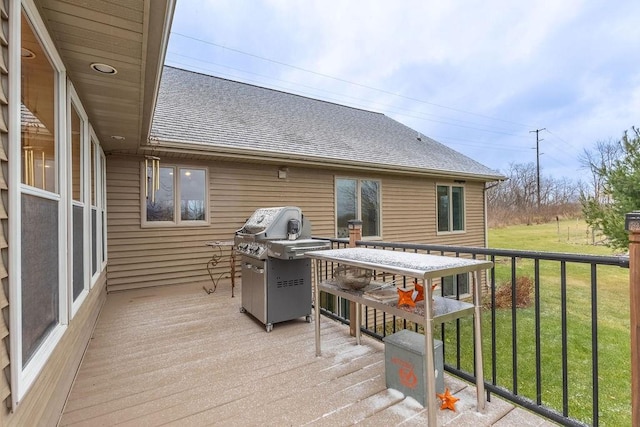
<point>178,356</point>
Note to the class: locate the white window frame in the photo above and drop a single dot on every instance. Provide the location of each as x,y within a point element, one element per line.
<point>177,222</point>
<point>358,203</point>
<point>100,205</point>
<point>455,287</point>
<point>102,167</point>
<point>23,377</point>
<point>74,103</point>
<point>464,209</point>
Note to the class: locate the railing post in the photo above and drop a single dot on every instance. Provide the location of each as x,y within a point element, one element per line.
<point>632,225</point>
<point>355,234</point>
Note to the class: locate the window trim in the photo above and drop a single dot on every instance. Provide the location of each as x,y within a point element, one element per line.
<point>23,377</point>
<point>358,203</point>
<point>103,205</point>
<point>100,190</point>
<point>74,103</point>
<point>177,222</point>
<point>464,209</point>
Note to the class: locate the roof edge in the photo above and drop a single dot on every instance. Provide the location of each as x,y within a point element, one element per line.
<point>155,44</point>
<point>182,147</point>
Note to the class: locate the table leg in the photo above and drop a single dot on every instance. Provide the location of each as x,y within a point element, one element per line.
<point>232,267</point>
<point>477,331</point>
<point>316,307</point>
<point>429,362</point>
<point>358,322</point>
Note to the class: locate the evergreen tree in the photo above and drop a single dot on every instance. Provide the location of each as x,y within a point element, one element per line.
<point>622,184</point>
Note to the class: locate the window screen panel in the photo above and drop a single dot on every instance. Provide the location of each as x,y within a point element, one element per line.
<point>443,208</point>
<point>192,194</point>
<point>457,206</point>
<point>94,241</point>
<point>78,251</point>
<point>160,204</point>
<point>346,198</point>
<point>40,272</point>
<point>370,207</point>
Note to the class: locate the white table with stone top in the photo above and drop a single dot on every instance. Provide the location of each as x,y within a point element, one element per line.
<point>430,311</point>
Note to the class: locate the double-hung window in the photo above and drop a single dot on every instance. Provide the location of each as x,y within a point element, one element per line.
<point>98,200</point>
<point>455,286</point>
<point>450,206</point>
<point>181,198</point>
<point>358,199</point>
<point>78,142</point>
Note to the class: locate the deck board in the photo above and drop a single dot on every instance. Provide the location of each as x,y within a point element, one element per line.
<point>178,356</point>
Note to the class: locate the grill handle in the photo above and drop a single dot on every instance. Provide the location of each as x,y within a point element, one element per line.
<point>309,248</point>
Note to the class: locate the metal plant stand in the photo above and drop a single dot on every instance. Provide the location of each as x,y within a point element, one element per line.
<point>429,312</point>
<point>218,257</point>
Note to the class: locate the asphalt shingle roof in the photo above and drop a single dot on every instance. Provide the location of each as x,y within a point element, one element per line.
<point>197,109</point>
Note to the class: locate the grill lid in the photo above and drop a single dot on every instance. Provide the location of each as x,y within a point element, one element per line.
<point>274,223</point>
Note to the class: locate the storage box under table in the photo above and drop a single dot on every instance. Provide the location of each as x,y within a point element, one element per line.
<point>404,358</point>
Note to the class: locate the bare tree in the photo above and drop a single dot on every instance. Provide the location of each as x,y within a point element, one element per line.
<point>598,161</point>
<point>516,199</point>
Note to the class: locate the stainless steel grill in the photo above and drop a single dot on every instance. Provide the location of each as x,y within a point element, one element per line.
<point>276,277</point>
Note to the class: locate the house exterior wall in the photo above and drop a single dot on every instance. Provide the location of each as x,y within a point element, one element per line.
<point>150,256</point>
<point>5,389</point>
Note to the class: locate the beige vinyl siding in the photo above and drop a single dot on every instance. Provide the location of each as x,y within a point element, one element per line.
<point>43,403</point>
<point>151,256</point>
<point>5,389</point>
<point>407,210</point>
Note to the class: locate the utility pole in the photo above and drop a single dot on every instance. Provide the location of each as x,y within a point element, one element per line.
<point>538,140</point>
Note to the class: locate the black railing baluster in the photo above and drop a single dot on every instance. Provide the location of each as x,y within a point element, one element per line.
<point>565,357</point>
<point>514,326</point>
<point>594,344</point>
<point>536,290</point>
<point>494,355</point>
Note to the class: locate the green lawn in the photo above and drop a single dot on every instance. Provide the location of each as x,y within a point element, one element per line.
<point>612,326</point>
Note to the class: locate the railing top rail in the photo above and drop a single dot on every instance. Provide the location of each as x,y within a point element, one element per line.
<point>619,261</point>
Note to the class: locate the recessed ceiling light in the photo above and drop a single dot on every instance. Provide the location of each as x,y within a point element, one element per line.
<point>103,68</point>
<point>26,53</point>
<point>117,137</point>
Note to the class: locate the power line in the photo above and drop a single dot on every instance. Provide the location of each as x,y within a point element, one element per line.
<point>368,102</point>
<point>537,131</point>
<point>274,61</point>
<point>363,106</point>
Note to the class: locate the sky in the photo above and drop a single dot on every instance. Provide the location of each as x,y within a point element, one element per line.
<point>477,76</point>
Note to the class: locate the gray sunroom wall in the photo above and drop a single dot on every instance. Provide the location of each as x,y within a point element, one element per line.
<point>151,256</point>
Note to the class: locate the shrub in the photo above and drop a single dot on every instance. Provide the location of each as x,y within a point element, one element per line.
<point>524,290</point>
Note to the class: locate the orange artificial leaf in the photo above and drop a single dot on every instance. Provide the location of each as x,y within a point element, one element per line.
<point>405,297</point>
<point>420,290</point>
<point>448,400</point>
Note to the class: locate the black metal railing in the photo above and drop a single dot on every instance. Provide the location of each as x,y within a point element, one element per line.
<point>550,353</point>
